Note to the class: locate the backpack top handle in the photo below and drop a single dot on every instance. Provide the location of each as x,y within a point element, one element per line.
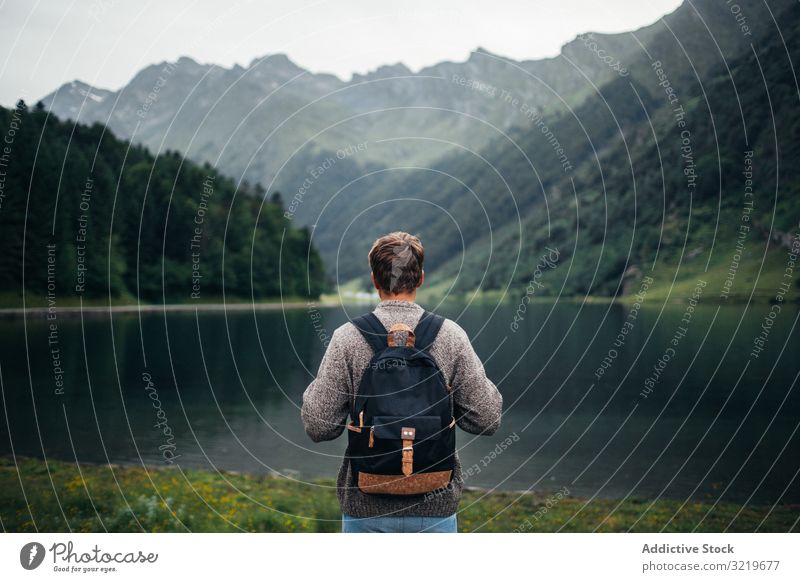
<point>398,330</point>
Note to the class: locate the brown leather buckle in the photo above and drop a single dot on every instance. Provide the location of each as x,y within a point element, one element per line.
<point>407,433</point>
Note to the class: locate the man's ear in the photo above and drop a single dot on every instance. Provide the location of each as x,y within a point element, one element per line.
<point>421,279</point>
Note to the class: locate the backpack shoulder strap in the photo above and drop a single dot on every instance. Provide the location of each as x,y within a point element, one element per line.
<point>427,329</point>
<point>372,329</point>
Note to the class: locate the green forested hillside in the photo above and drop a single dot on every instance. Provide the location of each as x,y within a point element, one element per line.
<point>665,192</point>
<point>437,156</point>
<point>601,178</point>
<point>86,214</point>
<point>625,152</point>
<point>654,182</point>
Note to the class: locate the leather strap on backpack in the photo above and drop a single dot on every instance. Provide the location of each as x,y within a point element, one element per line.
<point>407,434</point>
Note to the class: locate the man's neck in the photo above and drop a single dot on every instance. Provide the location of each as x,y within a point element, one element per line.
<point>408,297</point>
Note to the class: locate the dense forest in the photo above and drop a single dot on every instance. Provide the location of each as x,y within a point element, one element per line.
<point>83,213</point>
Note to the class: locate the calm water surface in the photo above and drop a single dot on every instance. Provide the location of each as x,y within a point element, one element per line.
<point>678,413</point>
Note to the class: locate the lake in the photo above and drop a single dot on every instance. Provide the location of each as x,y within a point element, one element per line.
<point>603,399</point>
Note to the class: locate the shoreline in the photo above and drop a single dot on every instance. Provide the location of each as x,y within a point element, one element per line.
<point>64,496</point>
<point>237,306</point>
<point>17,312</point>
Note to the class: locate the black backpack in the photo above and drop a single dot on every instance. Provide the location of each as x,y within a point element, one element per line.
<point>401,440</point>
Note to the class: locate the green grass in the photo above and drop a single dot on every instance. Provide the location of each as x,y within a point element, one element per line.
<point>756,279</point>
<point>60,496</point>
<point>756,274</point>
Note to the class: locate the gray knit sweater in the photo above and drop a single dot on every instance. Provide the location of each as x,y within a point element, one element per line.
<point>327,400</point>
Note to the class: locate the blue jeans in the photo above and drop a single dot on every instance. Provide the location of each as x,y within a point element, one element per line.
<point>399,524</point>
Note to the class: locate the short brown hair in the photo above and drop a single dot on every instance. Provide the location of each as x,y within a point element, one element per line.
<point>396,262</point>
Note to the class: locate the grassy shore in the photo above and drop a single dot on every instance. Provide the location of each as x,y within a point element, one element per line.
<point>11,304</point>
<point>59,496</point>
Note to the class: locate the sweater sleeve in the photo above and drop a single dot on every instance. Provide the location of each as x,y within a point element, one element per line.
<point>326,401</point>
<point>477,402</point>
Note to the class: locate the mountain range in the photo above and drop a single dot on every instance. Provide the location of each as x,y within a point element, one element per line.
<point>494,161</point>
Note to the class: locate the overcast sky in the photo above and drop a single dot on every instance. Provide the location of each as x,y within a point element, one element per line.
<point>44,43</point>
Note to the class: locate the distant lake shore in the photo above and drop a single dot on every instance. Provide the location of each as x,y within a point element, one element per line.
<point>169,307</point>
<point>237,305</point>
